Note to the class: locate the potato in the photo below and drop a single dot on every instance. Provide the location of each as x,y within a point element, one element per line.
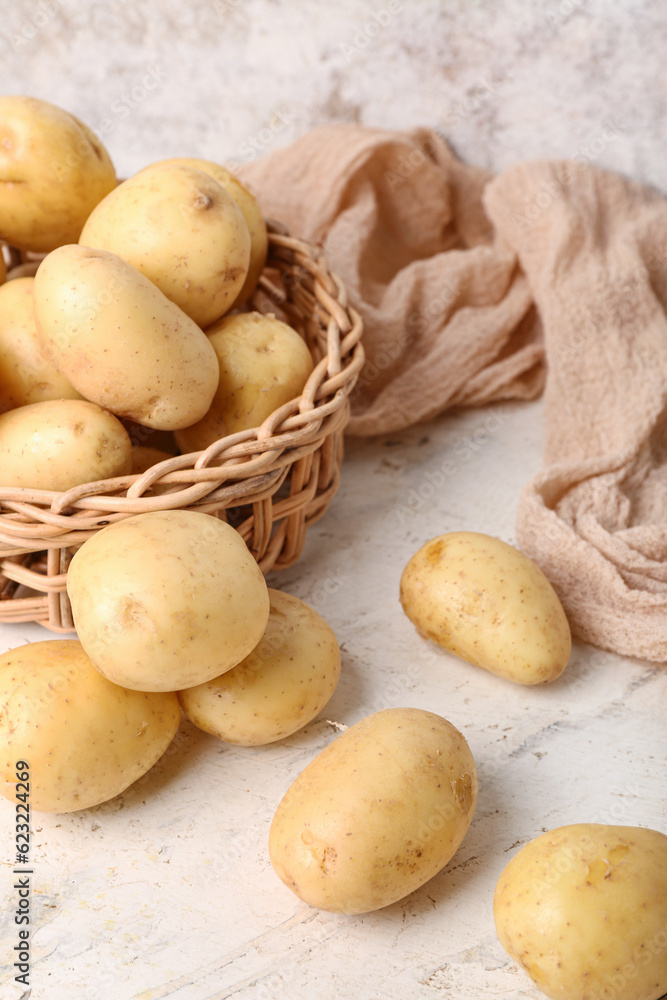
<point>182,230</point>
<point>61,443</point>
<point>144,457</point>
<point>53,171</point>
<point>263,364</point>
<point>120,341</point>
<point>167,600</point>
<point>26,374</point>
<point>280,686</point>
<point>84,738</point>
<point>583,909</point>
<point>488,603</point>
<point>377,813</point>
<point>259,241</point>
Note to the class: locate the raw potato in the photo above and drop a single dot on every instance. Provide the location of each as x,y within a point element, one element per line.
<point>583,909</point>
<point>144,457</point>
<point>377,813</point>
<point>120,342</point>
<point>26,374</point>
<point>259,241</point>
<point>53,172</point>
<point>167,600</point>
<point>488,603</point>
<point>85,739</point>
<point>263,364</point>
<point>279,687</point>
<point>182,230</point>
<point>61,443</point>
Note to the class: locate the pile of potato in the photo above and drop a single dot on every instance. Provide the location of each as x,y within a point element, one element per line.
<point>133,314</point>
<point>128,318</point>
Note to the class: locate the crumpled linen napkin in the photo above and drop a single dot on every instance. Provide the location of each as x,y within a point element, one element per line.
<point>465,281</point>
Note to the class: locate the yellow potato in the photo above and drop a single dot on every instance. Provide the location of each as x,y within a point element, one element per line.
<point>144,457</point>
<point>167,600</point>
<point>61,443</point>
<point>263,364</point>
<point>279,687</point>
<point>26,374</point>
<point>53,171</point>
<point>120,342</point>
<point>83,738</point>
<point>583,909</point>
<point>488,603</point>
<point>259,241</point>
<point>182,230</point>
<point>377,813</point>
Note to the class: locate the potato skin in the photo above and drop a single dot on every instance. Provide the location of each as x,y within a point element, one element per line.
<point>280,685</point>
<point>263,364</point>
<point>183,231</point>
<point>167,600</point>
<point>583,909</point>
<point>84,738</point>
<point>145,457</point>
<point>120,341</point>
<point>61,443</point>
<point>377,813</point>
<point>488,603</point>
<point>26,374</point>
<point>53,172</point>
<point>259,240</point>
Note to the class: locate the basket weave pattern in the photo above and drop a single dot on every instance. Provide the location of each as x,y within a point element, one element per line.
<point>270,482</point>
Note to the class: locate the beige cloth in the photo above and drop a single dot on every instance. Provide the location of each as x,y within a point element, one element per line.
<point>456,275</point>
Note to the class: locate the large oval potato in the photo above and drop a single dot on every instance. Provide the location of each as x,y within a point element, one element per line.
<point>26,374</point>
<point>84,738</point>
<point>61,443</point>
<point>259,240</point>
<point>53,171</point>
<point>280,685</point>
<point>377,813</point>
<point>120,341</point>
<point>263,364</point>
<point>182,230</point>
<point>167,600</point>
<point>488,603</point>
<point>583,909</point>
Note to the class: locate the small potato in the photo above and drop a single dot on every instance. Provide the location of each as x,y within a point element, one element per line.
<point>377,813</point>
<point>144,457</point>
<point>167,600</point>
<point>182,230</point>
<point>26,374</point>
<point>53,171</point>
<point>259,241</point>
<point>263,364</point>
<point>583,909</point>
<point>61,443</point>
<point>81,738</point>
<point>120,342</point>
<point>279,687</point>
<point>488,603</point>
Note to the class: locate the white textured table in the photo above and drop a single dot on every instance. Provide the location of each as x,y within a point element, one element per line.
<point>167,890</point>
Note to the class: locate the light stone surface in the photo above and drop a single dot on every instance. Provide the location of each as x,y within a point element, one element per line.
<point>166,892</point>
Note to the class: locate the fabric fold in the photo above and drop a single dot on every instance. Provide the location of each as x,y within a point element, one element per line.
<point>464,282</point>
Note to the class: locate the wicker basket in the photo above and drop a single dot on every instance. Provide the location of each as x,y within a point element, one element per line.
<point>270,482</point>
